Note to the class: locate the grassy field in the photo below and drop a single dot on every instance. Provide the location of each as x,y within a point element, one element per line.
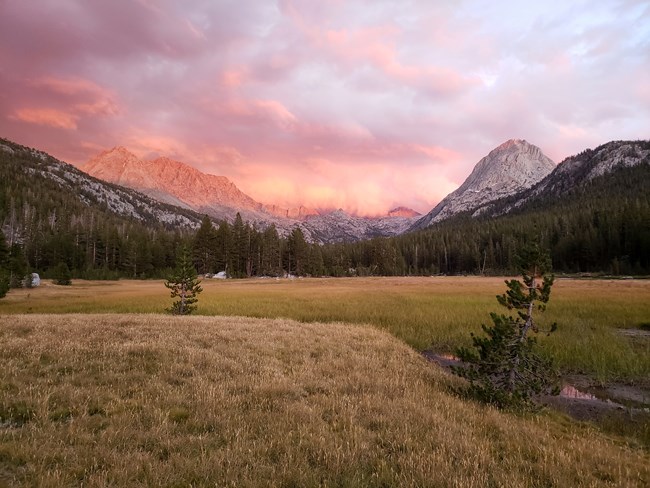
<point>426,313</point>
<point>155,400</point>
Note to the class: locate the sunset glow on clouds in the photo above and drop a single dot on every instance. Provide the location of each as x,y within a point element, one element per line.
<point>362,104</point>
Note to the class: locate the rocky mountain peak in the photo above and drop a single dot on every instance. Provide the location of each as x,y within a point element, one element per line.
<point>403,212</point>
<point>117,152</point>
<point>115,165</point>
<point>515,159</point>
<point>513,142</point>
<point>168,181</point>
<point>120,150</point>
<point>511,167</point>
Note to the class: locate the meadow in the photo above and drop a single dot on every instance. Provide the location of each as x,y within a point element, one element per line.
<point>99,400</point>
<point>435,313</point>
<point>306,382</point>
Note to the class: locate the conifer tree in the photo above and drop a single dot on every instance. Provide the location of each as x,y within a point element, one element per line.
<point>224,248</point>
<point>203,246</point>
<point>270,252</point>
<point>238,247</point>
<point>298,252</point>
<point>4,262</point>
<point>315,260</point>
<point>504,368</point>
<point>61,274</point>
<point>18,267</point>
<point>184,285</point>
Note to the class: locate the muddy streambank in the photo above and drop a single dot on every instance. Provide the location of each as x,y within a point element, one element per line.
<point>584,399</point>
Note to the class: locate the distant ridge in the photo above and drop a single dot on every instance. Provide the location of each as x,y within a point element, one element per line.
<point>177,183</point>
<point>403,212</point>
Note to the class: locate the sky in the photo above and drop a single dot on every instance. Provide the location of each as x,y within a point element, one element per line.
<point>362,104</point>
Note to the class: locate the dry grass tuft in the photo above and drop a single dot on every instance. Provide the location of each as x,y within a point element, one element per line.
<point>152,400</point>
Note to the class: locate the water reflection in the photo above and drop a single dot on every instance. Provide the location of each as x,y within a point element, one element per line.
<point>569,391</point>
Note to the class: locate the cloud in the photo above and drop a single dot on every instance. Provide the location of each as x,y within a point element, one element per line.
<point>70,86</point>
<point>58,103</point>
<point>360,104</point>
<point>46,116</point>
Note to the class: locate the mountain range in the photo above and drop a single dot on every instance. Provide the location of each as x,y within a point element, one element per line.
<point>573,173</point>
<point>177,183</point>
<point>176,194</point>
<point>511,167</point>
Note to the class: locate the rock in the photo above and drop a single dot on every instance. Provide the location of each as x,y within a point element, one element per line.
<point>35,281</point>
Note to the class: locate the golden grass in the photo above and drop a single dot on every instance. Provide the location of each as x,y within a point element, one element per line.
<point>154,400</point>
<point>425,312</point>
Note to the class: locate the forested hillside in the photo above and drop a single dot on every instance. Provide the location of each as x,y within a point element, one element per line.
<point>51,213</point>
<point>602,225</point>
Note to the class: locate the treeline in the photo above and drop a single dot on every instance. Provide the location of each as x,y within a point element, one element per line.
<point>92,245</point>
<point>241,250</point>
<point>93,248</point>
<point>601,227</point>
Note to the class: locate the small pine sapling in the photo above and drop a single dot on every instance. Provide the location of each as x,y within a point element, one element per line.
<point>184,285</point>
<point>504,368</point>
<point>61,274</point>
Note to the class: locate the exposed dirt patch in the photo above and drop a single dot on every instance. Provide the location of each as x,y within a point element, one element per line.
<point>444,360</point>
<point>635,333</point>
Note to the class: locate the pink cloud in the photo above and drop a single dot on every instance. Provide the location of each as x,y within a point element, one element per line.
<point>234,77</point>
<point>70,86</point>
<point>276,111</point>
<point>326,101</point>
<point>376,47</point>
<point>368,189</point>
<point>46,116</point>
<point>60,103</point>
<point>255,111</point>
<point>101,107</point>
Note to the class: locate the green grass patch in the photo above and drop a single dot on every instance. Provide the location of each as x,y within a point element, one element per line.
<point>437,313</point>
